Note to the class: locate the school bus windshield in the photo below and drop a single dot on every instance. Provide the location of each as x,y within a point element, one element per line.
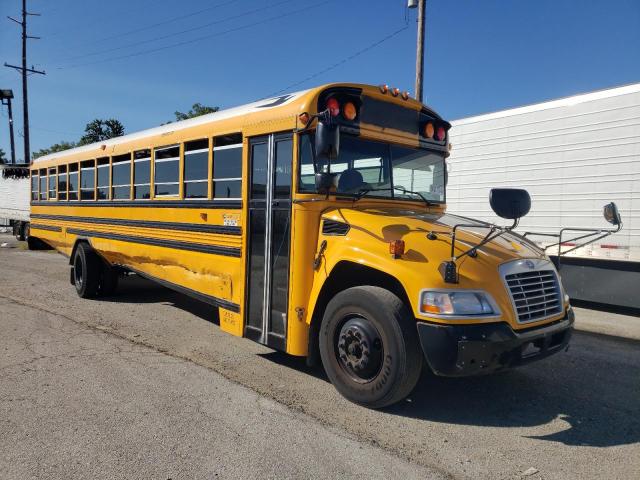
<point>383,169</point>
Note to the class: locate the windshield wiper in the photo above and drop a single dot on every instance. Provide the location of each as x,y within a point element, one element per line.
<point>363,191</point>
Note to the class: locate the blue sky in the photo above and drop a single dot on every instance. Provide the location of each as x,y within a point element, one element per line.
<point>481,55</point>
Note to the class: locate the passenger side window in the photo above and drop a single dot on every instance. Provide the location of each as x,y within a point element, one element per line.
<point>43,184</point>
<point>53,183</point>
<point>102,182</point>
<point>227,167</point>
<point>34,185</point>
<point>121,177</point>
<point>196,169</point>
<point>167,171</point>
<point>88,180</point>
<point>73,182</point>
<point>62,182</point>
<point>142,174</point>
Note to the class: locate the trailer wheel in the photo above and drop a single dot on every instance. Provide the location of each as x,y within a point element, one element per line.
<point>22,232</point>
<point>86,271</point>
<point>369,347</point>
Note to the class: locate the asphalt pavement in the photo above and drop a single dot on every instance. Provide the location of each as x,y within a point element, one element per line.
<point>145,385</point>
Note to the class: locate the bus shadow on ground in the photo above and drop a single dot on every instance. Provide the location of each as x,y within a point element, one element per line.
<point>591,402</point>
<point>586,404</point>
<point>589,395</point>
<point>135,289</point>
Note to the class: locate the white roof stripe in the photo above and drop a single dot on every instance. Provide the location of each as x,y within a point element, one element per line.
<point>561,102</point>
<point>175,126</point>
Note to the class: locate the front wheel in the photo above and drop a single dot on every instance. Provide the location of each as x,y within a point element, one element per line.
<point>369,347</point>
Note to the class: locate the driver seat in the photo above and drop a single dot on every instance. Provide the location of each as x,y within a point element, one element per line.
<point>351,180</point>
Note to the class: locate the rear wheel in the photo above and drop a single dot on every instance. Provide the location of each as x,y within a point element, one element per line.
<point>86,271</point>
<point>369,346</point>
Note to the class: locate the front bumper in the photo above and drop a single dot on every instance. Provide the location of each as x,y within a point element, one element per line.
<point>461,350</point>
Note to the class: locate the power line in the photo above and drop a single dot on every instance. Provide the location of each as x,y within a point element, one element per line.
<point>101,21</point>
<point>164,22</point>
<point>341,62</point>
<point>170,35</point>
<point>198,39</point>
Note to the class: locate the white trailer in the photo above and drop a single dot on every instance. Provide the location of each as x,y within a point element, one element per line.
<point>573,155</point>
<point>15,194</point>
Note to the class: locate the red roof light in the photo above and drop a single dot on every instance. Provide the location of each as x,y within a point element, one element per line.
<point>334,107</point>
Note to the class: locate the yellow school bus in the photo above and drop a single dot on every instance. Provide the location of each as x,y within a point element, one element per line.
<point>314,223</point>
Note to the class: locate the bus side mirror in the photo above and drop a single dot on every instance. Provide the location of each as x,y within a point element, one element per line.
<point>510,203</point>
<point>327,140</point>
<point>611,214</point>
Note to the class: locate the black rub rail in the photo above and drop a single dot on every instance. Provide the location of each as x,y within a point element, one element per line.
<point>189,227</point>
<point>157,242</point>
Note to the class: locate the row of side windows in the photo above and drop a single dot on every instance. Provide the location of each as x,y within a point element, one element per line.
<point>129,176</point>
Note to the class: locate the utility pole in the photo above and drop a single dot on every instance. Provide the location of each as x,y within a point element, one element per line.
<point>24,70</point>
<point>422,10</point>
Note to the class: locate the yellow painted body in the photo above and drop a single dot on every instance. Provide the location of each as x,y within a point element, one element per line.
<point>373,224</point>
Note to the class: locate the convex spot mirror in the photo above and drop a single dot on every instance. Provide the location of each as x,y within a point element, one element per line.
<point>327,141</point>
<point>510,203</point>
<point>611,214</point>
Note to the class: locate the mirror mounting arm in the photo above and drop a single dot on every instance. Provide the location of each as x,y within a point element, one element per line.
<point>448,269</point>
<point>592,232</point>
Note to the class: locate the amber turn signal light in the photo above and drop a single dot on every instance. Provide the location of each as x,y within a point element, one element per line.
<point>405,95</point>
<point>349,111</point>
<point>396,248</point>
<point>395,92</point>
<point>429,130</point>
<point>384,88</point>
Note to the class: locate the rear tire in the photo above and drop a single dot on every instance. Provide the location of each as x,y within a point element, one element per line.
<point>369,347</point>
<point>86,271</point>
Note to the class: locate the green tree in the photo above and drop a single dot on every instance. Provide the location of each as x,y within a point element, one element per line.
<point>3,158</point>
<point>99,130</point>
<point>56,147</point>
<point>197,109</point>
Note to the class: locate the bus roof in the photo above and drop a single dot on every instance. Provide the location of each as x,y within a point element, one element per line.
<point>238,111</point>
<point>275,103</point>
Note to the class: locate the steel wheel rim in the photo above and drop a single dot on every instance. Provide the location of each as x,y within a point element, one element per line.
<point>359,348</point>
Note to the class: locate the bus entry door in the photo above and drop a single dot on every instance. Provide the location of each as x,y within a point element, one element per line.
<point>269,223</point>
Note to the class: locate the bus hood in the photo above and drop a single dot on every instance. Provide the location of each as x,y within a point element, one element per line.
<point>411,226</point>
<point>372,228</point>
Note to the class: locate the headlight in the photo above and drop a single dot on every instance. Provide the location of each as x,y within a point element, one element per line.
<point>457,302</point>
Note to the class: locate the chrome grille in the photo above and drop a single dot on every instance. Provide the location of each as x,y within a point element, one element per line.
<point>535,294</point>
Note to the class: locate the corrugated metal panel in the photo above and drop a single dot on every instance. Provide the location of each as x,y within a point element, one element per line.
<point>14,198</point>
<point>572,155</point>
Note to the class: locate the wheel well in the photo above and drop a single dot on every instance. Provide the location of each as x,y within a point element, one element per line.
<point>75,247</point>
<point>346,275</point>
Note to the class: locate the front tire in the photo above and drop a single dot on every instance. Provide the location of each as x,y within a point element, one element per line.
<point>369,348</point>
<point>86,271</point>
